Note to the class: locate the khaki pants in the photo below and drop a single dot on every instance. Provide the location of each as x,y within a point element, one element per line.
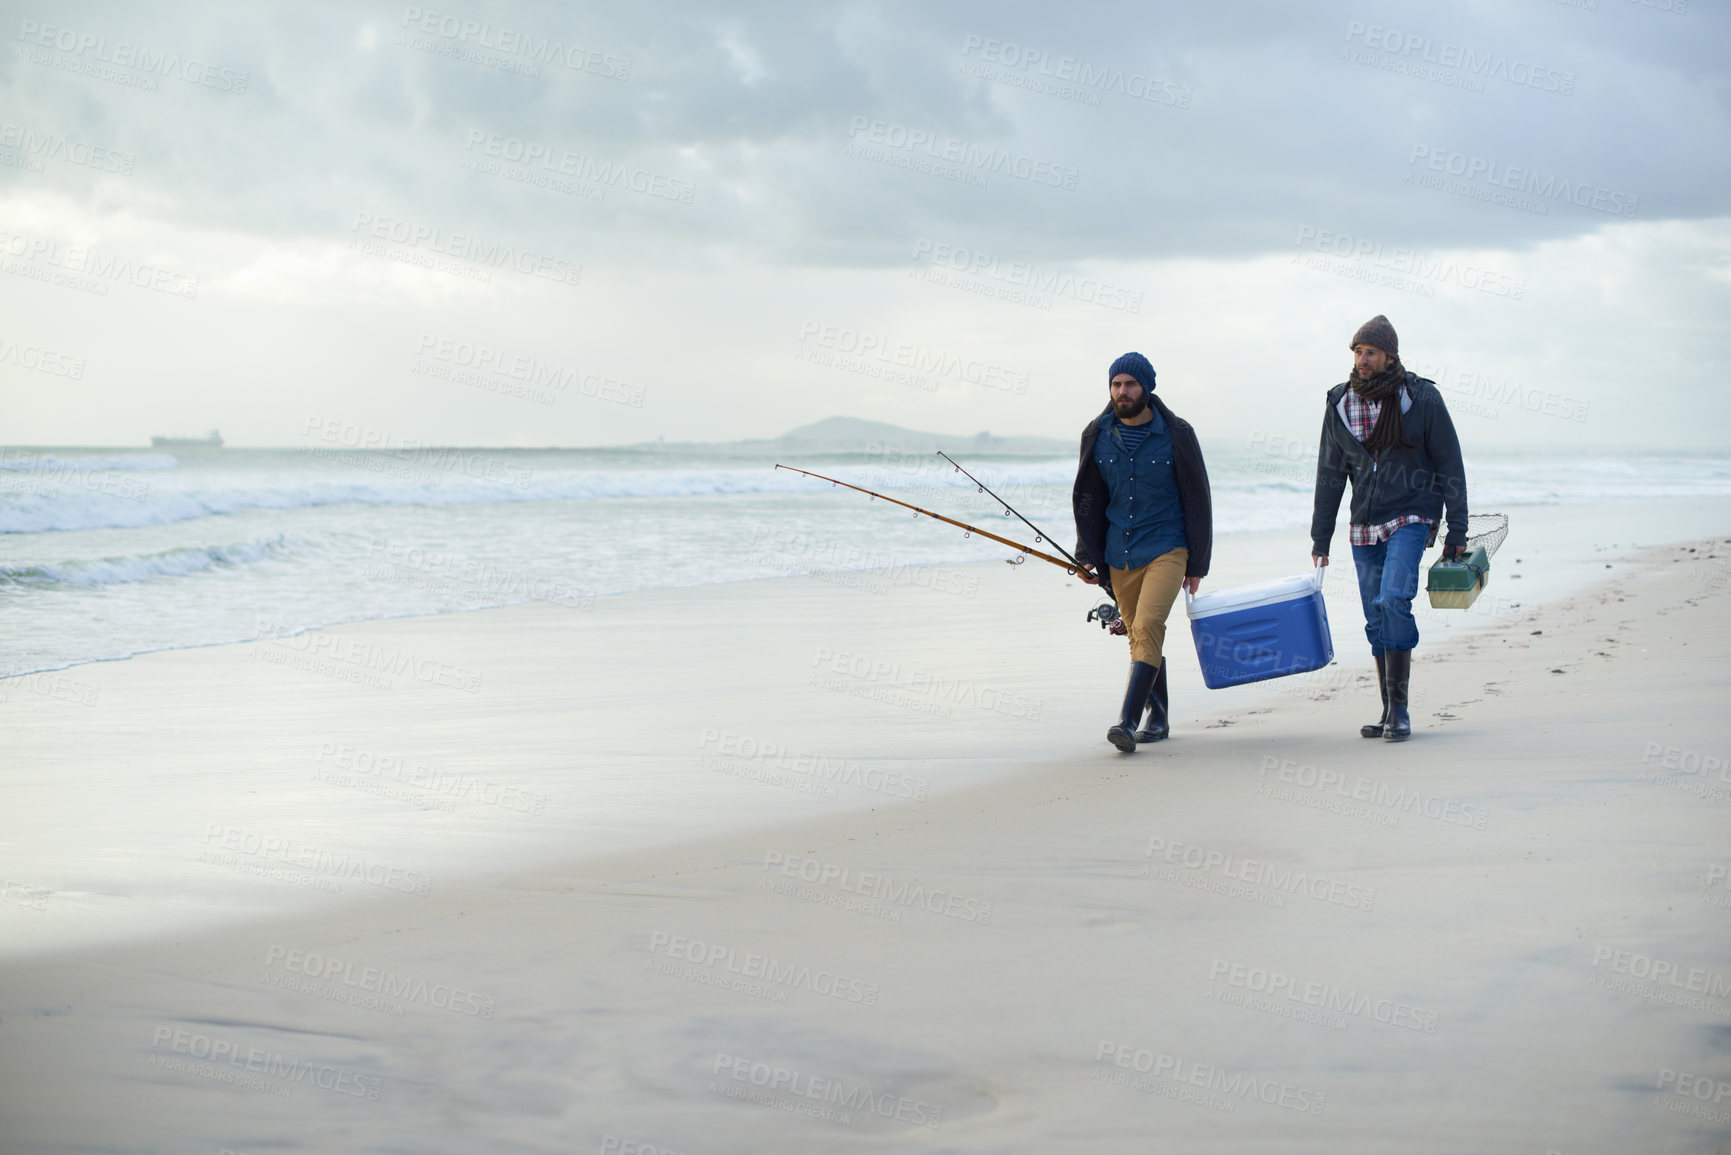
<point>1145,597</point>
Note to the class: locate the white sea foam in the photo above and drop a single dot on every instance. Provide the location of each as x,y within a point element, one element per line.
<point>120,570</point>
<point>16,461</point>
<point>161,557</point>
<point>73,508</point>
<point>1239,486</point>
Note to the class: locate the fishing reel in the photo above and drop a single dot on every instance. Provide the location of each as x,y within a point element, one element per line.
<point>1106,613</point>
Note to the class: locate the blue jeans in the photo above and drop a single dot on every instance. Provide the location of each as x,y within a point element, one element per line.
<point>1387,583</point>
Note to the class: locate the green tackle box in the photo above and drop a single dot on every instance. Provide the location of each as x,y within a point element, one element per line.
<point>1456,584</point>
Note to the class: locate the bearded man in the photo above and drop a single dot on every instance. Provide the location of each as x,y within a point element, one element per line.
<point>1144,530</point>
<point>1387,431</point>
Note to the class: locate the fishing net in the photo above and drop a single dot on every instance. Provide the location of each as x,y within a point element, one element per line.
<point>1487,531</point>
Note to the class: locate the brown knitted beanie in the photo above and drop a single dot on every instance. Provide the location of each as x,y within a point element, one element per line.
<point>1377,331</point>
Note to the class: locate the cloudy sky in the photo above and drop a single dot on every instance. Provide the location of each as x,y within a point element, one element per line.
<point>568,224</point>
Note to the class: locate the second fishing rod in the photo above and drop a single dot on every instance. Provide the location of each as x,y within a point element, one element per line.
<point>1106,613</point>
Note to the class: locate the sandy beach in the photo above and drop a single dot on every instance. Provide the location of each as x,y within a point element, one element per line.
<point>846,865</point>
<point>526,624</point>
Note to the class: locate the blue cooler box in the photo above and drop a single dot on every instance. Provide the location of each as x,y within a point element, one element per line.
<point>1267,630</point>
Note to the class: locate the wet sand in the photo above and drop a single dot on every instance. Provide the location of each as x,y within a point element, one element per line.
<point>668,877</point>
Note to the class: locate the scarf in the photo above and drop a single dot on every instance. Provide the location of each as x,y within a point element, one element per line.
<point>1384,388</point>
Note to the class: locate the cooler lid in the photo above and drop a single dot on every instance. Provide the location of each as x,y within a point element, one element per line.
<point>1250,597</point>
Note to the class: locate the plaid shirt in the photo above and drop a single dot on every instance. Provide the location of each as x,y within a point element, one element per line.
<point>1361,418</point>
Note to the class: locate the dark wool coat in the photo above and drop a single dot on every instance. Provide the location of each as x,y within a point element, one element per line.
<point>1089,498</point>
<point>1421,480</point>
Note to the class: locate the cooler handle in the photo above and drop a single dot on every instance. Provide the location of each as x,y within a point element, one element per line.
<point>1315,584</point>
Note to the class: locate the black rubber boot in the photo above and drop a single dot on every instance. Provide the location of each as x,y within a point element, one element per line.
<point>1135,697</point>
<point>1399,727</point>
<point>1375,729</point>
<point>1154,727</point>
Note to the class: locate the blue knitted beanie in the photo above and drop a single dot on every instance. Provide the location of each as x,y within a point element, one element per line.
<point>1138,367</point>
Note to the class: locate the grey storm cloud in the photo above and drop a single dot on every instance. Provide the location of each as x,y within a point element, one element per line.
<point>838,134</point>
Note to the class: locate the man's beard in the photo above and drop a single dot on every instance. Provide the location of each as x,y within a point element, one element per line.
<point>1379,385</point>
<point>1391,363</point>
<point>1138,406</point>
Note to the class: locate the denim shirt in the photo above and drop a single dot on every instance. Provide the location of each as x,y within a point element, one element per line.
<point>1143,518</point>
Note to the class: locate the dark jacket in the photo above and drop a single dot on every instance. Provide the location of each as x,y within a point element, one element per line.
<point>1089,498</point>
<point>1421,480</point>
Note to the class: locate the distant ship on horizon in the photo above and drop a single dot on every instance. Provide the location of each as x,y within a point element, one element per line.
<point>212,441</point>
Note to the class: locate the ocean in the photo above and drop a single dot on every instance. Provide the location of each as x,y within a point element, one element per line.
<point>105,552</point>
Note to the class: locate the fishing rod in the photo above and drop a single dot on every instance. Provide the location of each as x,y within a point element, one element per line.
<point>1009,509</point>
<point>1106,613</point>
<point>1067,566</point>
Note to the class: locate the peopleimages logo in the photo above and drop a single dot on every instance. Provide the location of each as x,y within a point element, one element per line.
<point>1657,970</point>
<point>1482,178</point>
<point>1403,798</point>
<point>41,360</point>
<point>1459,58</point>
<point>41,145</point>
<point>1688,761</point>
<point>91,48</point>
<point>772,973</point>
<point>254,1061</point>
<point>375,233</point>
<point>1414,264</point>
<point>348,437</point>
<point>373,980</point>
<point>1202,860</point>
<point>880,888</point>
<point>529,369</point>
<point>440,781</point>
<point>914,357</point>
<point>230,841</point>
<point>1327,996</point>
<point>1230,1087</point>
<point>786,1088</point>
<point>862,670</point>
<point>529,47</point>
<point>1066,77</point>
<point>730,751</point>
<point>983,160</point>
<point>1693,1086</point>
<point>1025,280</point>
<point>580,167</point>
<point>95,263</point>
<point>1477,392</point>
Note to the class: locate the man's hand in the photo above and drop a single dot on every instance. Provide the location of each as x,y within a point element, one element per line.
<point>1193,584</point>
<point>1319,559</point>
<point>1453,551</point>
<point>1087,575</point>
